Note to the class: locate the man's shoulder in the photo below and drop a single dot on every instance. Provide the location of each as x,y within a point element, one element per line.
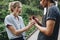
<point>53,8</point>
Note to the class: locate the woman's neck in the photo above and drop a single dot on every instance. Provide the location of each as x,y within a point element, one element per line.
<point>14,14</point>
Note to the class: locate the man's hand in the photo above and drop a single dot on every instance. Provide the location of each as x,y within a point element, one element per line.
<point>36,20</point>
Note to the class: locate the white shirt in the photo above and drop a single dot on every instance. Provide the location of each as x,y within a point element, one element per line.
<point>17,24</point>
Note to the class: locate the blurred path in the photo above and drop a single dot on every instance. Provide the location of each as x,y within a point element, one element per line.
<point>59,35</point>
<point>34,36</point>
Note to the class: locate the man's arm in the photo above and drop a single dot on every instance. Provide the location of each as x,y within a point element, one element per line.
<point>48,30</point>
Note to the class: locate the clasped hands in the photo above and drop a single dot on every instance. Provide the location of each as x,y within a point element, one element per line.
<point>34,21</point>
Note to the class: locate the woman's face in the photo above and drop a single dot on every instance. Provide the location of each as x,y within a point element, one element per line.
<point>17,10</point>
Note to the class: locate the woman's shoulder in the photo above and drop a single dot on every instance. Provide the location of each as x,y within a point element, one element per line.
<point>8,16</point>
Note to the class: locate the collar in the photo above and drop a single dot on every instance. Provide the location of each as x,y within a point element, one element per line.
<point>14,16</point>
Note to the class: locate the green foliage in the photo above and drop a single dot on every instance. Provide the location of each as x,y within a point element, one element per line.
<point>31,10</point>
<point>25,18</point>
<point>3,36</point>
<point>3,13</point>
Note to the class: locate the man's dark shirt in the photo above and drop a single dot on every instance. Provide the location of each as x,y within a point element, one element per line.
<point>52,14</point>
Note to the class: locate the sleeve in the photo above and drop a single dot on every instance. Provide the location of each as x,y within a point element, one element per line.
<point>7,21</point>
<point>51,15</point>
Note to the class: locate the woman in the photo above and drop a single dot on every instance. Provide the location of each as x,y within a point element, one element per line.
<point>14,23</point>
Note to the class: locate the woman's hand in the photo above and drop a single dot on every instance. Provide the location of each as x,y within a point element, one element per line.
<point>31,22</point>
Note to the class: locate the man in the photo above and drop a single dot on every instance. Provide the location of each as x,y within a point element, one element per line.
<point>50,21</point>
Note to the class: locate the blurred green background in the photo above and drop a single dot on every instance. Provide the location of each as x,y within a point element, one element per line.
<point>30,7</point>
